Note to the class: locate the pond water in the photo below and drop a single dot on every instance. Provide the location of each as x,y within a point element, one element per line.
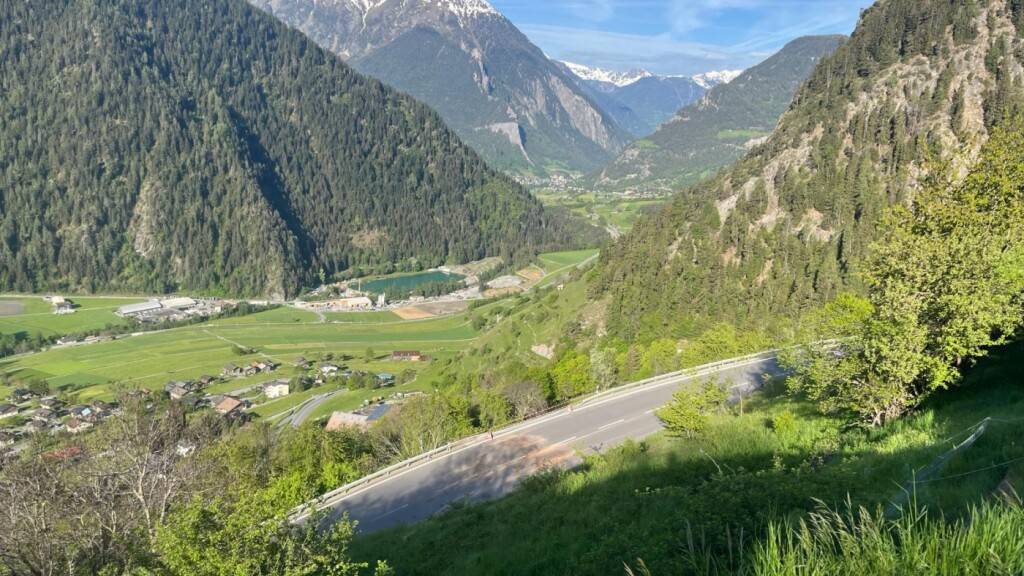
<point>405,282</point>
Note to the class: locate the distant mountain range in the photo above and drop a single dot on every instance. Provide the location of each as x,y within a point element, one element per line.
<point>205,146</point>
<point>639,100</point>
<point>718,128</point>
<point>521,111</point>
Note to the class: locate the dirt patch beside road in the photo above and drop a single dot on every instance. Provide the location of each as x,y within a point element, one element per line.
<point>9,308</point>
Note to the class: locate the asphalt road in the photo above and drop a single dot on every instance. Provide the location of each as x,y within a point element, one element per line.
<point>302,412</point>
<point>494,467</point>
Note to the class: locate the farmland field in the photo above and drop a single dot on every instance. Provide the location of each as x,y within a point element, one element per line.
<point>151,359</point>
<point>557,261</point>
<point>31,315</point>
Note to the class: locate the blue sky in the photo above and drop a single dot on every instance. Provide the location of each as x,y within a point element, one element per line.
<point>675,36</point>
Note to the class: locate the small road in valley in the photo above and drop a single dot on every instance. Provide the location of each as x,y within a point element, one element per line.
<point>485,468</point>
<point>302,412</point>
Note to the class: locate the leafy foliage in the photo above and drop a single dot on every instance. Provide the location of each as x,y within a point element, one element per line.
<point>945,284</point>
<point>687,415</point>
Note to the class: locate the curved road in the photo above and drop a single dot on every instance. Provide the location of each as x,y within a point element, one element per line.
<point>490,468</point>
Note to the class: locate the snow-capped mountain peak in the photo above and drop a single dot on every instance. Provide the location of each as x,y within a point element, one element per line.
<point>461,8</point>
<point>709,80</point>
<point>619,79</point>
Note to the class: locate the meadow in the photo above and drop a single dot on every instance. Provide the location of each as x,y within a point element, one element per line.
<point>151,359</point>
<point>35,316</point>
<point>605,210</point>
<point>704,506</point>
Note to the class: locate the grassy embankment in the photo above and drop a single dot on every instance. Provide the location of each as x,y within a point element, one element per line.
<point>705,505</point>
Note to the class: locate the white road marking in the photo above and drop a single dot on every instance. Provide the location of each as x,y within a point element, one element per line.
<point>610,424</point>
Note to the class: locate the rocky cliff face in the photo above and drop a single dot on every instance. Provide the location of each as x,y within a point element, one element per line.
<point>468,62</point>
<point>920,84</point>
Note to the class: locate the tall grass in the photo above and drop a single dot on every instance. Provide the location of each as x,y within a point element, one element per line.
<point>988,541</point>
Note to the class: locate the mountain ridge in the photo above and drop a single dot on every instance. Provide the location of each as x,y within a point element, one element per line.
<point>523,113</point>
<point>718,128</point>
<point>788,225</point>
<point>254,182</point>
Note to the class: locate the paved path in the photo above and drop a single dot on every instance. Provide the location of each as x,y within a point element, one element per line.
<point>302,412</point>
<point>491,468</point>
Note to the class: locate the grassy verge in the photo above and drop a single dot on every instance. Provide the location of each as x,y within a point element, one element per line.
<point>705,505</point>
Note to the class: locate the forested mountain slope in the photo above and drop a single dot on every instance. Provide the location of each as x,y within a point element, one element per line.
<point>719,128</point>
<point>163,145</point>
<point>498,91</point>
<point>919,85</point>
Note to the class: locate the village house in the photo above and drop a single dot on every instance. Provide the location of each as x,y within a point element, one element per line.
<point>361,419</point>
<point>302,363</point>
<point>64,308</point>
<point>44,415</point>
<point>8,410</point>
<point>259,367</point>
<point>19,395</point>
<point>406,356</point>
<point>51,402</point>
<point>276,389</point>
<point>229,406</point>
<point>37,426</point>
<point>82,412</point>
<point>177,390</point>
<point>207,380</point>
<point>232,371</point>
<point>328,369</point>
<point>74,425</point>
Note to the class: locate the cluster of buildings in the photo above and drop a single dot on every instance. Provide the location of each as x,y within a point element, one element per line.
<point>345,304</point>
<point>171,309</point>
<point>26,412</point>
<point>253,368</point>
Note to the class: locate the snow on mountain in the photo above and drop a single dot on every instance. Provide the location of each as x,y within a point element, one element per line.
<point>709,80</point>
<point>619,79</point>
<point>461,8</point>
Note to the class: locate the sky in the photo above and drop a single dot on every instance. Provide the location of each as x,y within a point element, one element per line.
<point>675,36</point>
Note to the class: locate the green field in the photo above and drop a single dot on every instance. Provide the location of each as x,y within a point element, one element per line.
<point>559,261</point>
<point>37,317</point>
<point>602,210</point>
<point>374,317</point>
<point>151,359</point>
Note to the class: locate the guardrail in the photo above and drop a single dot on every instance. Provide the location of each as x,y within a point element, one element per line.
<point>303,512</point>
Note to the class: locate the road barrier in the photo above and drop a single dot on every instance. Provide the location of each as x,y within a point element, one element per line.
<point>303,512</point>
